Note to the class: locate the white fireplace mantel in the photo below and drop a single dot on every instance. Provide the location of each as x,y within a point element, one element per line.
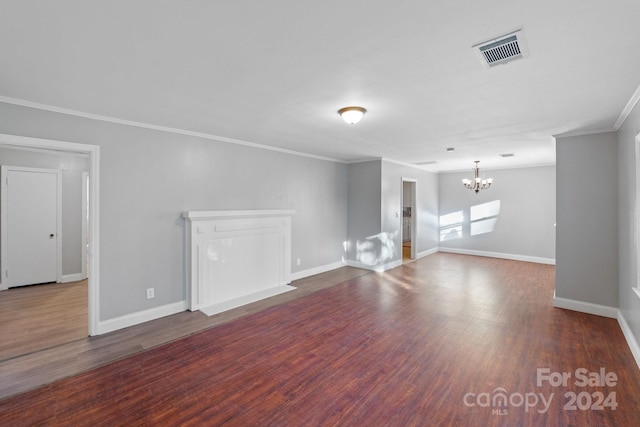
<point>236,257</point>
<point>204,215</point>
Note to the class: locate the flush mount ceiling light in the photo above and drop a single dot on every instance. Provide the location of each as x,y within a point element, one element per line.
<point>352,115</point>
<point>476,184</point>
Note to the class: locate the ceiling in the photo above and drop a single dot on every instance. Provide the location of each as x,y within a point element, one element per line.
<point>275,73</point>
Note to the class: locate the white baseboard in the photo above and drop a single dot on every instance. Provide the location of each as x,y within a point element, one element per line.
<point>246,299</point>
<point>140,317</point>
<point>378,268</point>
<point>427,253</point>
<point>525,258</point>
<point>317,270</point>
<point>72,277</point>
<point>605,311</point>
<point>585,307</point>
<point>628,335</point>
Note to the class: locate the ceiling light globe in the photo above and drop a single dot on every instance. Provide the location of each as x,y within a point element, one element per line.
<point>352,115</point>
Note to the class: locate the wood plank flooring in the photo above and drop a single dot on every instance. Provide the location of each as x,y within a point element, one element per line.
<point>33,318</point>
<point>434,342</point>
<point>29,371</point>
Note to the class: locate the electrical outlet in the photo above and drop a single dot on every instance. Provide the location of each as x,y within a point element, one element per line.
<point>150,293</point>
<point>298,261</point>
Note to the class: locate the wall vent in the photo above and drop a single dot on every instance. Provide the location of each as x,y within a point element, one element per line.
<point>430,162</point>
<point>507,155</point>
<point>503,49</point>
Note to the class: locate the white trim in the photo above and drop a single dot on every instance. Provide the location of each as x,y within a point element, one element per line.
<point>59,236</point>
<point>317,270</point>
<point>94,209</point>
<point>535,165</point>
<point>76,277</point>
<point>514,257</point>
<point>427,253</point>
<point>3,217</point>
<point>389,265</point>
<point>245,299</point>
<point>585,307</point>
<point>378,268</point>
<point>604,311</point>
<point>208,281</point>
<point>85,222</point>
<point>373,159</point>
<point>140,317</point>
<point>237,214</point>
<point>47,151</point>
<point>631,339</point>
<point>411,165</point>
<point>55,109</point>
<point>636,215</point>
<point>584,132</point>
<point>627,109</point>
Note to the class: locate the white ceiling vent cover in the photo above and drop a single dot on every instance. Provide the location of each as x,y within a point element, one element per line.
<point>503,49</point>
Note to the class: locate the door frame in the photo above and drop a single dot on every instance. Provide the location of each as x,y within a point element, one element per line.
<point>4,210</point>
<point>85,222</point>
<point>93,151</point>
<point>414,213</point>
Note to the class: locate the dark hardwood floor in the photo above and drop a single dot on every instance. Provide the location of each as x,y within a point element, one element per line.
<point>54,362</point>
<point>444,340</point>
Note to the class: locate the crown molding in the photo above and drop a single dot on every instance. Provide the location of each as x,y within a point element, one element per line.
<point>411,165</point>
<point>371,159</point>
<point>500,168</point>
<point>627,109</point>
<point>99,117</point>
<point>583,132</point>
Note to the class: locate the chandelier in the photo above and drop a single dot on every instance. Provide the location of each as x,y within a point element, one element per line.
<point>476,184</point>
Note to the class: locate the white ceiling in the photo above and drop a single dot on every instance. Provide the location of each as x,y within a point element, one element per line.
<point>276,72</point>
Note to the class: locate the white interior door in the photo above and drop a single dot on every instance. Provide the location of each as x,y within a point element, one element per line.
<point>31,226</point>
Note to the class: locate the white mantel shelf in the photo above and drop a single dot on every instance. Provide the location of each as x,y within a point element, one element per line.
<point>237,214</point>
<point>236,257</point>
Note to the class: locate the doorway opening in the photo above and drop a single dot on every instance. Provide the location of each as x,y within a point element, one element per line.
<point>409,221</point>
<point>90,230</point>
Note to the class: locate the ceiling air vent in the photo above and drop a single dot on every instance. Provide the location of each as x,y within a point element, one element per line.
<point>429,162</point>
<point>502,49</point>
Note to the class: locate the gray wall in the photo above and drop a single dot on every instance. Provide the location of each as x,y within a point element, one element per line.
<point>426,205</point>
<point>587,214</point>
<point>628,217</point>
<point>148,178</point>
<point>364,221</point>
<point>524,224</point>
<point>375,196</point>
<point>72,167</point>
